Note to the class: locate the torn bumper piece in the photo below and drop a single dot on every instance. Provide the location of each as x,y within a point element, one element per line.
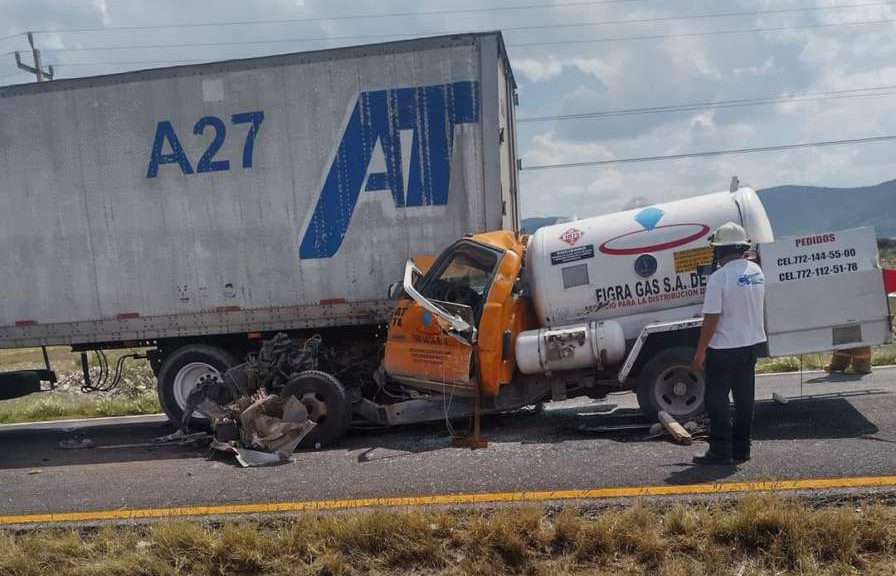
<point>259,430</point>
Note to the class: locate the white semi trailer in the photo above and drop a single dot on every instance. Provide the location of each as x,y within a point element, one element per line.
<point>194,210</point>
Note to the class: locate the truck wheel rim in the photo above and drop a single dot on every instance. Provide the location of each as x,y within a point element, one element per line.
<point>189,377</point>
<point>679,390</point>
<point>316,406</point>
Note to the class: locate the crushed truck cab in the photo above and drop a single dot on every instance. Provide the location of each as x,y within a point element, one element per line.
<point>456,328</point>
<point>613,302</point>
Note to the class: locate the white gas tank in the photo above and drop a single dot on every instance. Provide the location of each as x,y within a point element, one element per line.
<point>640,264</point>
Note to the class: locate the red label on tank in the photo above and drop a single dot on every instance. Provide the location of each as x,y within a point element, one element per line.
<point>572,236</point>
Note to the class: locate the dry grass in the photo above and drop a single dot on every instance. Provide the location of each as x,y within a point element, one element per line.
<point>881,356</point>
<point>887,250</point>
<point>758,535</point>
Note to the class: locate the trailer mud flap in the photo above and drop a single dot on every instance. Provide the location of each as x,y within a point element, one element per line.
<point>20,383</point>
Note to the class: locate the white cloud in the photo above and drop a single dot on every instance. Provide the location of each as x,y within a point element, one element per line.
<point>100,5</point>
<point>581,78</point>
<point>538,70</point>
<point>689,55</point>
<point>541,69</point>
<point>768,67</point>
<point>548,149</point>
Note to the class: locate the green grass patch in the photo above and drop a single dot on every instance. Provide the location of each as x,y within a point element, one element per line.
<point>64,405</point>
<point>757,535</point>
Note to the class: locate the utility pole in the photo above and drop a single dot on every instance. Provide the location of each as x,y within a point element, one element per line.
<point>37,69</point>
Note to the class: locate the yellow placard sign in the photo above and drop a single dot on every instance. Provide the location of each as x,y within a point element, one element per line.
<point>688,260</point>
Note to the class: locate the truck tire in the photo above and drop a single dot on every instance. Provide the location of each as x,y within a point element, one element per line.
<point>327,403</point>
<point>183,369</point>
<point>667,382</point>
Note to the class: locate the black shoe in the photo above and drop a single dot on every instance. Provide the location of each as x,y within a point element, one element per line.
<point>713,459</point>
<point>741,457</point>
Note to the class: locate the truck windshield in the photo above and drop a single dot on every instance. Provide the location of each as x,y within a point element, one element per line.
<point>463,277</point>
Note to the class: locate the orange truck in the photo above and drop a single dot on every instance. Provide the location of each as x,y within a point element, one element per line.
<point>500,320</point>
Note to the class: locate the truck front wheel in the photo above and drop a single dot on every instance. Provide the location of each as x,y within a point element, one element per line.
<point>327,403</point>
<point>668,383</point>
<point>183,370</point>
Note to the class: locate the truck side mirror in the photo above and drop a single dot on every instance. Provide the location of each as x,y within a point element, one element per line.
<point>396,290</point>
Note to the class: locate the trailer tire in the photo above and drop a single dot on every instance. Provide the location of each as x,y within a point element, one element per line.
<point>190,363</point>
<point>667,382</point>
<point>328,405</point>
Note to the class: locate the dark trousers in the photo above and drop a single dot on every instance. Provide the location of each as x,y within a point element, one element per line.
<point>730,370</point>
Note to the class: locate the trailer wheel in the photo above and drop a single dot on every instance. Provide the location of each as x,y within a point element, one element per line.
<point>668,382</point>
<point>184,369</point>
<point>327,403</point>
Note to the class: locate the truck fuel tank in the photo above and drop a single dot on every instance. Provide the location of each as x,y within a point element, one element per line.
<point>595,344</point>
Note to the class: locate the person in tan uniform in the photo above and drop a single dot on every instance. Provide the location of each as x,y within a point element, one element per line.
<point>860,358</point>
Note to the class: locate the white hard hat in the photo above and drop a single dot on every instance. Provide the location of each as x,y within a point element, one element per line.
<point>729,234</point>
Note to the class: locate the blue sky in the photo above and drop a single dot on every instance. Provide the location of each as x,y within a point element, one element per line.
<point>573,78</point>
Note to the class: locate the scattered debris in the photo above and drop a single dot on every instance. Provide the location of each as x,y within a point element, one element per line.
<point>264,433</point>
<point>612,420</point>
<point>679,434</point>
<point>656,431</point>
<point>625,419</point>
<point>197,439</point>
<point>33,472</point>
<point>77,443</point>
<point>780,399</point>
<point>251,458</point>
<point>248,421</point>
<point>615,427</point>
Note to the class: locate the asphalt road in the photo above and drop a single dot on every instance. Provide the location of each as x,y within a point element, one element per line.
<point>844,426</point>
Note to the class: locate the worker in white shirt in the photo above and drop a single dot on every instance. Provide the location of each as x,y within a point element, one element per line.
<point>732,337</point>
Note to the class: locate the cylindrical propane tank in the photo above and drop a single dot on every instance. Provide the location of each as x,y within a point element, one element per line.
<point>596,344</point>
<point>638,266</point>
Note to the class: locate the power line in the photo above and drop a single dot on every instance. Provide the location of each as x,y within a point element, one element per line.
<point>510,44</point>
<point>809,97</point>
<point>695,34</point>
<point>536,27</point>
<point>10,37</point>
<point>11,75</point>
<point>346,17</point>
<point>698,16</point>
<point>128,62</point>
<point>711,153</point>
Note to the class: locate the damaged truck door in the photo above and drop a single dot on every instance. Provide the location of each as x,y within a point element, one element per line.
<point>431,337</point>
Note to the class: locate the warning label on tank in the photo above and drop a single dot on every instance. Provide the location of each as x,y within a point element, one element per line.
<point>572,254</point>
<point>688,260</point>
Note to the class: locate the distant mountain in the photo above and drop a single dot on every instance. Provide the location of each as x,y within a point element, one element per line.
<point>796,210</point>
<point>530,225</point>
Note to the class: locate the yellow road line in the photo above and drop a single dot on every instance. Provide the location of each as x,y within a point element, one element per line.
<point>449,499</point>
